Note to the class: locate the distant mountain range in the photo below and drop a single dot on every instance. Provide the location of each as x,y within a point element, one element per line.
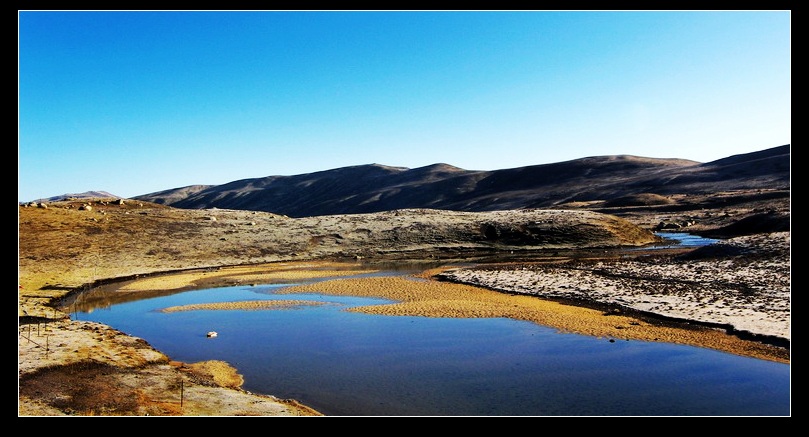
<point>375,187</point>
<point>85,195</point>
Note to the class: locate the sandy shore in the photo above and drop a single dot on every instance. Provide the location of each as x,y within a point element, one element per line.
<point>746,294</point>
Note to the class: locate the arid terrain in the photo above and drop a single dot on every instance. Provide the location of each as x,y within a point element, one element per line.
<point>79,368</point>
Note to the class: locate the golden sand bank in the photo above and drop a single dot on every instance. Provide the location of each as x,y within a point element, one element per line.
<point>420,295</point>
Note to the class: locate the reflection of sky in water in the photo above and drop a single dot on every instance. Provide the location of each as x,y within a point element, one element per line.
<point>684,239</point>
<point>344,363</point>
<point>681,239</point>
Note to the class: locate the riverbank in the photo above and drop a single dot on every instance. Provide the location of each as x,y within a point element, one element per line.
<point>746,312</point>
<point>132,368</point>
<point>68,367</point>
<point>746,291</point>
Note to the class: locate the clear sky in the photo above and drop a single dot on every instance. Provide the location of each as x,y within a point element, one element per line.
<point>136,102</point>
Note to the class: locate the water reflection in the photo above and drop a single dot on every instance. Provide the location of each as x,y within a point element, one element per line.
<point>683,239</point>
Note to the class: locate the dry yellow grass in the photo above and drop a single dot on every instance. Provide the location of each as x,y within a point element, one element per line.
<point>418,295</point>
<point>220,372</point>
<point>243,305</point>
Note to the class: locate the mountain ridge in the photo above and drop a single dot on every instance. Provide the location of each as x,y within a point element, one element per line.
<point>376,187</point>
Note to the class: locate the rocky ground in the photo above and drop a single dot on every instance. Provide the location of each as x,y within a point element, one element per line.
<point>79,368</point>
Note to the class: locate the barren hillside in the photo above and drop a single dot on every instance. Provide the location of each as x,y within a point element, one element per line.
<point>375,188</point>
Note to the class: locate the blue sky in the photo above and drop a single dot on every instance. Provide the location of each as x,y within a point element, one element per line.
<point>137,102</point>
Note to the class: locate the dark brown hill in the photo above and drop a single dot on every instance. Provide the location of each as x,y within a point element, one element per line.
<point>375,188</point>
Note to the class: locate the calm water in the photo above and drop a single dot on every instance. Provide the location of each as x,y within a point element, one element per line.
<point>342,363</point>
<point>682,239</point>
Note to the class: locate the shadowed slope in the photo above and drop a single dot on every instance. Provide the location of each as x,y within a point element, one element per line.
<point>374,187</point>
